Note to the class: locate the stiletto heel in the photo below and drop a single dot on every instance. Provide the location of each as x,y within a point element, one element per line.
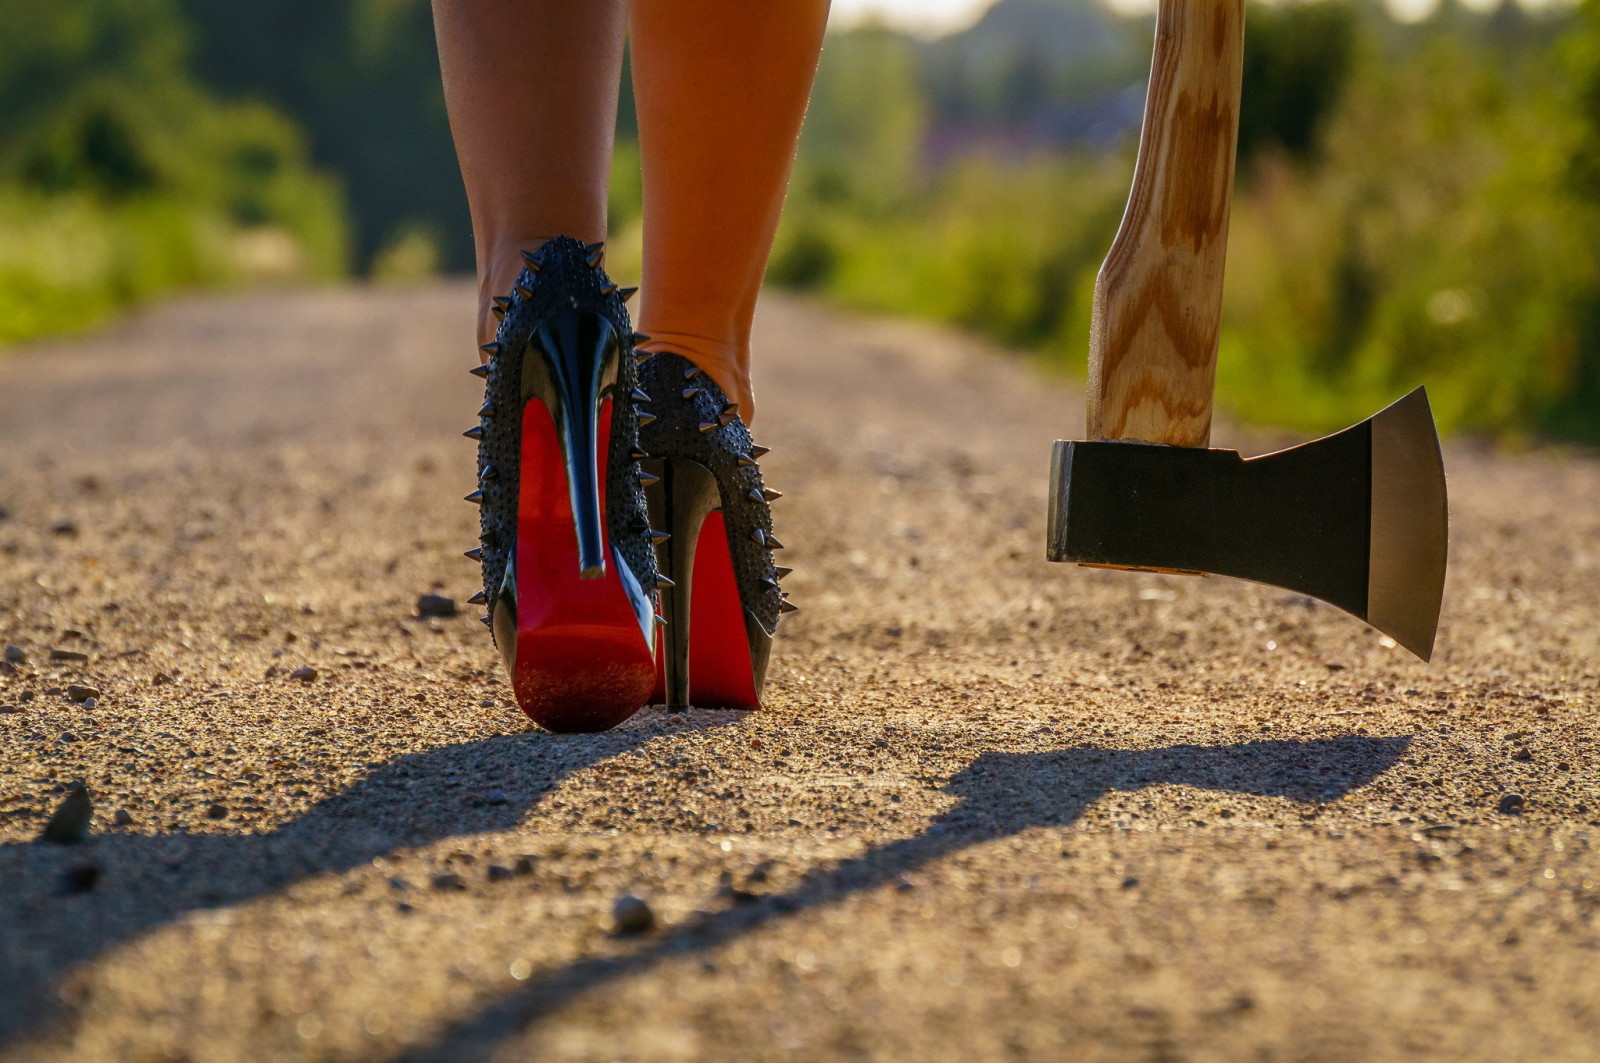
<point>720,592</point>
<point>568,568</point>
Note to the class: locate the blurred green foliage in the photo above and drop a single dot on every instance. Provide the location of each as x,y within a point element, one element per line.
<point>1415,205</point>
<point>361,80</point>
<point>121,178</point>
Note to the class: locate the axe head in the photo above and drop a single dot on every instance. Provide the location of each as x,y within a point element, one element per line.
<point>1357,519</point>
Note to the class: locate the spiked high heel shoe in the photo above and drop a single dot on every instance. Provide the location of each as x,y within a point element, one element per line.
<point>719,585</point>
<point>568,569</point>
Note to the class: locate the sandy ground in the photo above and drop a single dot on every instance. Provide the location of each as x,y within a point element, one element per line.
<point>993,808</point>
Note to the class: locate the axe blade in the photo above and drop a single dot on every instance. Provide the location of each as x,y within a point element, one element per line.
<point>1358,519</point>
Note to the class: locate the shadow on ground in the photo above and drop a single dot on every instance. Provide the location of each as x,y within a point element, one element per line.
<point>1001,794</point>
<point>151,880</point>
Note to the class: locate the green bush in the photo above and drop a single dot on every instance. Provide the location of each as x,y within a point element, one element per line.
<point>1434,221</point>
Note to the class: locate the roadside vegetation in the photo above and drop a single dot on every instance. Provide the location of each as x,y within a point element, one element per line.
<point>1415,203</point>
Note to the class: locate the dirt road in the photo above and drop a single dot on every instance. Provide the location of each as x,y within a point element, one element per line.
<point>993,809</point>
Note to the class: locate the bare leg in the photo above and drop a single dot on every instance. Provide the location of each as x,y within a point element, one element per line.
<point>531,88</point>
<point>721,87</point>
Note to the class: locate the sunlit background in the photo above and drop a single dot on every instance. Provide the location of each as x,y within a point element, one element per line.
<point>933,17</point>
<point>1418,195</point>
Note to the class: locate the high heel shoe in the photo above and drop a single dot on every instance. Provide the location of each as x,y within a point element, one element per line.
<point>719,589</point>
<point>568,566</point>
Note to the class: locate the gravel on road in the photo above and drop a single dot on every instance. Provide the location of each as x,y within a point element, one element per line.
<point>993,808</point>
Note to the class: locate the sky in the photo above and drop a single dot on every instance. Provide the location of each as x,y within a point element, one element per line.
<point>934,17</point>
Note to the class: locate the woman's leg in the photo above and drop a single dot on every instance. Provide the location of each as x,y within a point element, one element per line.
<point>531,88</point>
<point>721,87</point>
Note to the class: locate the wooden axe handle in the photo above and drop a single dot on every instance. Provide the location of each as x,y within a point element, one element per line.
<point>1158,299</point>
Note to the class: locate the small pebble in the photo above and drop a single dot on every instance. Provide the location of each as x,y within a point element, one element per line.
<point>64,527</point>
<point>10,708</point>
<point>1523,754</point>
<point>499,874</point>
<point>14,655</point>
<point>68,655</point>
<point>217,811</point>
<point>81,694</point>
<point>67,736</point>
<point>497,797</point>
<point>304,675</point>
<point>123,818</point>
<point>449,881</point>
<point>630,915</point>
<point>1511,804</point>
<point>70,823</point>
<point>1129,882</point>
<point>436,605</point>
<point>90,703</point>
<point>524,865</point>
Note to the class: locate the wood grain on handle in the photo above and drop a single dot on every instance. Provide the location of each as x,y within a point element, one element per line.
<point>1158,300</point>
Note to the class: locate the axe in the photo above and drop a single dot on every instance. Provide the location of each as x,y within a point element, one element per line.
<point>1357,519</point>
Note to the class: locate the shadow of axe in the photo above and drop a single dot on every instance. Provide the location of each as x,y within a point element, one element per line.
<point>1358,519</point>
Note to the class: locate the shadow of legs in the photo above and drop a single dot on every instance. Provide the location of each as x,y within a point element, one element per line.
<point>1000,794</point>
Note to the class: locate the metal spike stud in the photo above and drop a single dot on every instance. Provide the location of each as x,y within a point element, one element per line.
<point>486,622</point>
<point>486,410</point>
<point>641,395</point>
<point>502,301</point>
<point>755,496</point>
<point>527,256</point>
<point>598,248</point>
<point>782,570</point>
<point>773,543</point>
<point>491,349</point>
<point>692,372</point>
<point>637,455</point>
<point>770,584</point>
<point>646,418</point>
<point>476,498</point>
<point>648,480</point>
<point>786,606</point>
<point>770,495</point>
<point>609,289</point>
<point>759,451</point>
<point>641,337</point>
<point>524,291</point>
<point>479,370</point>
<point>641,357</point>
<point>499,312</point>
<point>478,599</point>
<point>490,474</point>
<point>663,583</point>
<point>475,554</point>
<point>475,432</point>
<point>744,462</point>
<point>726,419</point>
<point>758,536</point>
<point>709,426</point>
<point>627,293</point>
<point>661,620</point>
<point>689,393</point>
<point>658,537</point>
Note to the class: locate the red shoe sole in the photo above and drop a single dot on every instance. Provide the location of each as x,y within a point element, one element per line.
<point>582,661</point>
<point>720,676</point>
